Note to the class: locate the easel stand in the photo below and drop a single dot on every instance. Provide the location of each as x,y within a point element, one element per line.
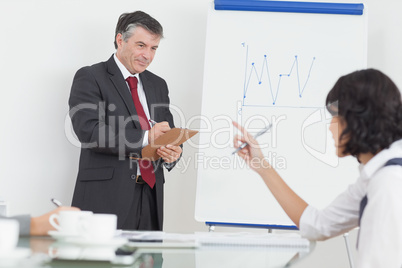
<point>269,227</point>
<point>211,228</point>
<point>346,237</point>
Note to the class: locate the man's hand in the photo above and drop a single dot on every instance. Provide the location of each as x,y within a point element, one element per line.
<point>169,153</point>
<point>157,130</point>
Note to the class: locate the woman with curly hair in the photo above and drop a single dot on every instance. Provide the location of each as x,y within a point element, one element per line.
<point>366,110</point>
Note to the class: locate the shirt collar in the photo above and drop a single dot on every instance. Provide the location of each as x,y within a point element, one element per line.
<point>379,160</point>
<point>123,68</point>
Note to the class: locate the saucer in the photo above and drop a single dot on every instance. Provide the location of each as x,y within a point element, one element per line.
<point>60,235</point>
<point>80,241</point>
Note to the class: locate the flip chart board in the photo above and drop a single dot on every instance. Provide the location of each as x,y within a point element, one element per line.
<point>274,66</point>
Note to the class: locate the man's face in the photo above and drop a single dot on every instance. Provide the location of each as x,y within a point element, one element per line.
<point>138,52</point>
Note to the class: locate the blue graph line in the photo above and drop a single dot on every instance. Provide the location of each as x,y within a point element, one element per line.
<point>265,66</point>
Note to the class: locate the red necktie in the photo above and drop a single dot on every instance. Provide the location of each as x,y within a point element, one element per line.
<point>146,168</point>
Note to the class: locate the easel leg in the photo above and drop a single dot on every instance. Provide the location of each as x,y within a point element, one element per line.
<point>346,237</point>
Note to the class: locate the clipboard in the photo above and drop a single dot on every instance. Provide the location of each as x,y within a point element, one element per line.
<point>175,136</point>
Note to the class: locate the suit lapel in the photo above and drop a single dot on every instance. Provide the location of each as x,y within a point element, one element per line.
<point>118,81</point>
<point>149,93</point>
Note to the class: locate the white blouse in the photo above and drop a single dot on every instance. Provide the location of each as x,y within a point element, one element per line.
<point>380,237</point>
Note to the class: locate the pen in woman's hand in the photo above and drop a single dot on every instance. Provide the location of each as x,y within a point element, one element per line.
<point>244,144</point>
<point>56,202</point>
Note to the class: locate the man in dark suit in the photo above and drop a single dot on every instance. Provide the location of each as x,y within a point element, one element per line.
<point>113,107</point>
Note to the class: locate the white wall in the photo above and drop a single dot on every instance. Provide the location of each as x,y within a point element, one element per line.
<point>44,42</point>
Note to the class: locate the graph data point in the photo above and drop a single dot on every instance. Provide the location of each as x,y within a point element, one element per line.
<point>274,92</point>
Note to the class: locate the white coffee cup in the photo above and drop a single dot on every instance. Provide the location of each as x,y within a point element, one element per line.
<point>69,222</point>
<point>100,227</point>
<point>9,233</point>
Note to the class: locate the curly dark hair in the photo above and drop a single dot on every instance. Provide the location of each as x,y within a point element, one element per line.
<point>370,105</point>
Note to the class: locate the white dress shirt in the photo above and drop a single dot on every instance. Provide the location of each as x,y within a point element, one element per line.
<point>140,90</point>
<point>380,238</point>
<point>141,96</point>
<point>143,99</point>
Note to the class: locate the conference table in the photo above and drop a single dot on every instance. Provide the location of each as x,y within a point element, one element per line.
<point>44,252</point>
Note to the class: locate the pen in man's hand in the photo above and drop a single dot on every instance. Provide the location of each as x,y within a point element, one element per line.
<point>153,122</point>
<point>56,202</point>
<point>244,144</point>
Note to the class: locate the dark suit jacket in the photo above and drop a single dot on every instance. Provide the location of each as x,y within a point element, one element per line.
<point>106,123</point>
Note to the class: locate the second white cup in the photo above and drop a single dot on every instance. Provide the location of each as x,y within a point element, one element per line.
<point>100,227</point>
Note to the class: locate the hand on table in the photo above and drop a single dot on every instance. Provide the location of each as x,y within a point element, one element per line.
<point>41,226</point>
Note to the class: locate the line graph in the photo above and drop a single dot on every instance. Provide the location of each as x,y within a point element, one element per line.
<point>263,75</point>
